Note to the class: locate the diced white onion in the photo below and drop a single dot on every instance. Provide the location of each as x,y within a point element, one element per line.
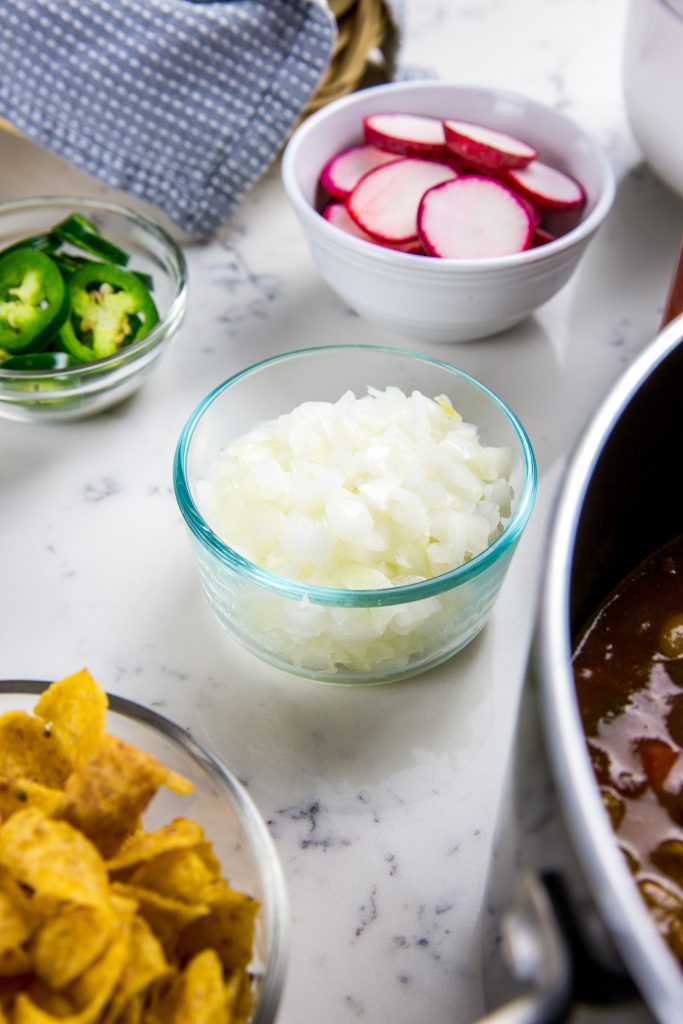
<point>363,493</point>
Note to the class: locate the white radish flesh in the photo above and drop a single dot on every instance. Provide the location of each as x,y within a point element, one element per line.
<point>406,134</point>
<point>343,172</point>
<point>472,218</point>
<point>384,202</point>
<point>486,148</point>
<point>547,187</point>
<point>339,216</point>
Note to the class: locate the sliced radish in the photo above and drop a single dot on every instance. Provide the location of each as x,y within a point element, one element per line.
<point>559,222</point>
<point>384,202</point>
<point>339,216</point>
<point>541,237</point>
<point>547,187</point>
<point>534,214</point>
<point>406,134</point>
<point>473,217</point>
<point>340,174</point>
<point>486,148</point>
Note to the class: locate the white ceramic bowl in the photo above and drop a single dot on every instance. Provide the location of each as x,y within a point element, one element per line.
<point>653,81</point>
<point>429,299</point>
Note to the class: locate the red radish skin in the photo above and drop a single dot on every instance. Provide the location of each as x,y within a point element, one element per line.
<point>559,222</point>
<point>541,237</point>
<point>547,187</point>
<point>384,203</point>
<point>337,215</point>
<point>534,214</point>
<point>473,217</point>
<point>485,148</point>
<point>406,134</point>
<point>452,161</point>
<point>342,173</point>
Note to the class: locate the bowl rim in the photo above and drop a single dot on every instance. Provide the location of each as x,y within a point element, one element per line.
<point>374,597</point>
<point>671,6</point>
<point>445,265</point>
<point>276,902</point>
<point>128,354</point>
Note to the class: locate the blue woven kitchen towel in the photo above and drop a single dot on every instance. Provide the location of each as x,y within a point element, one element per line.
<point>182,103</point>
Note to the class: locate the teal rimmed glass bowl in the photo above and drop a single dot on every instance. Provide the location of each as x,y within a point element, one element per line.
<point>332,635</point>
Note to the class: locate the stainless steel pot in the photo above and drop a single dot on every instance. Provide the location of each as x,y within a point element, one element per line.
<point>579,934</point>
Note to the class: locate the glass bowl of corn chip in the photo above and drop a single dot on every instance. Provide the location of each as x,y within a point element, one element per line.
<point>138,882</point>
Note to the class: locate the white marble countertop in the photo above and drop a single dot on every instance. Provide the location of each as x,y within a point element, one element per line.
<point>382,801</point>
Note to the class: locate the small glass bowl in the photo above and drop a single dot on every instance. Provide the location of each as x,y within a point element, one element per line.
<point>220,804</point>
<point>75,392</point>
<point>334,635</point>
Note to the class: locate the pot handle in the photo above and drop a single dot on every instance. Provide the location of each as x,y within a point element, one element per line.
<point>673,306</point>
<point>537,955</point>
<point>545,951</point>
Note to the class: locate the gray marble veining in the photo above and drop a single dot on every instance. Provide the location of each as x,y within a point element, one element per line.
<point>382,802</point>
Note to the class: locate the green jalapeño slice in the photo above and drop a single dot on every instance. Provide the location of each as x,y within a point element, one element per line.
<point>33,300</point>
<point>110,308</point>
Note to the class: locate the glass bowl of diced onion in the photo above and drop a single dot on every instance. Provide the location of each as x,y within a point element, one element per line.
<point>353,509</point>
